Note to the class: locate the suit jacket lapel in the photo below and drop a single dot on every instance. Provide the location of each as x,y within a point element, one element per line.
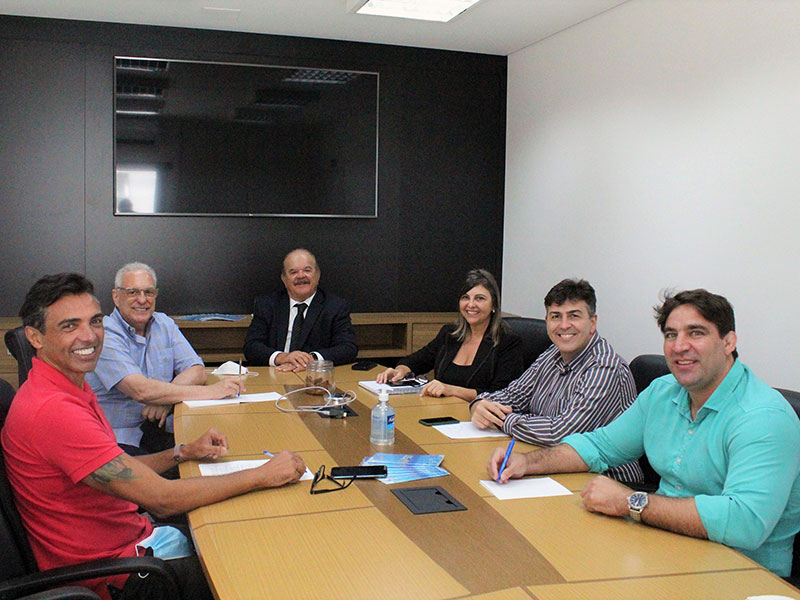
<point>312,314</point>
<point>453,346</point>
<point>484,349</point>
<point>484,352</point>
<point>282,321</point>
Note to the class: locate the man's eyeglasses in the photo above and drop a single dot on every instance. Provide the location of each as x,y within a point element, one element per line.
<point>320,477</point>
<point>134,292</point>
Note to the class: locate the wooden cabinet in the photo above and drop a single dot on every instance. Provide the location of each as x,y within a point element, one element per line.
<point>396,335</point>
<point>378,335</point>
<point>216,341</point>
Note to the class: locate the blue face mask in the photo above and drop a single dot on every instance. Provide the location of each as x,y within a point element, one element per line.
<point>167,543</point>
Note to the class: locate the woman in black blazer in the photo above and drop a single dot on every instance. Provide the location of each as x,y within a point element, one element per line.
<point>478,353</point>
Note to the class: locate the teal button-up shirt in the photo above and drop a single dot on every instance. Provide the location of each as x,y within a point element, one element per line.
<point>739,458</point>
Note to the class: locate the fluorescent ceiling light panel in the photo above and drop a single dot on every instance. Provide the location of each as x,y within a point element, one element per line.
<point>426,10</point>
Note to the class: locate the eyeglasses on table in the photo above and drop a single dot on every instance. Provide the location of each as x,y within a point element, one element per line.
<point>320,479</point>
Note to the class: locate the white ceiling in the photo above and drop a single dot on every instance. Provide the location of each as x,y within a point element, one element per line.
<point>491,27</point>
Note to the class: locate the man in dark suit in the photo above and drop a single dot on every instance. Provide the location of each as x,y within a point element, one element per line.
<point>302,323</point>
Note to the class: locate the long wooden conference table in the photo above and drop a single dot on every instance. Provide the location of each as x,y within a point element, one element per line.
<point>363,543</point>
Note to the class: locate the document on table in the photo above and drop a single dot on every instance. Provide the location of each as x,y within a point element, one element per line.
<point>262,397</point>
<point>403,460</point>
<point>233,466</point>
<point>466,430</point>
<point>539,487</point>
<point>205,403</point>
<point>407,467</point>
<point>398,474</point>
<point>202,317</point>
<point>376,388</point>
<point>244,398</point>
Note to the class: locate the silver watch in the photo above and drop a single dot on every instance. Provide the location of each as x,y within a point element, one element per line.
<point>176,454</point>
<point>636,504</point>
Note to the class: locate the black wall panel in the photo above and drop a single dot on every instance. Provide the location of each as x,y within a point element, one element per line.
<point>441,172</point>
<point>41,164</point>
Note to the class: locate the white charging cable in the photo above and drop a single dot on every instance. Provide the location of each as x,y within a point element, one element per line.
<point>331,401</point>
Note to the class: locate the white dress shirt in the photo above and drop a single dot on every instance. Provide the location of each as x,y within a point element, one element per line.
<point>292,314</point>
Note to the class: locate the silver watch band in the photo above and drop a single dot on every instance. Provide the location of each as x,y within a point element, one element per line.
<point>637,502</point>
<point>176,453</point>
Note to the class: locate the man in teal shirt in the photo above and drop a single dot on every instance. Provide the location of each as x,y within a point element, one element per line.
<point>726,445</point>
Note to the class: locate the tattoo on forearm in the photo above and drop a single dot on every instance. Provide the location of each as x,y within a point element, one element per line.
<point>115,469</point>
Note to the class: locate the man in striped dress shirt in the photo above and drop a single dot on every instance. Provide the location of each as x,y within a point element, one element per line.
<point>575,386</point>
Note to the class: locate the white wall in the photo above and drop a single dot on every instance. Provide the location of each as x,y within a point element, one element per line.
<point>658,146</point>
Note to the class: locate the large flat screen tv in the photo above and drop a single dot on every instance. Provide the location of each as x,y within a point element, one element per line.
<point>224,139</point>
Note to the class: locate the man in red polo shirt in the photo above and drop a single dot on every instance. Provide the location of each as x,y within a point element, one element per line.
<point>78,493</point>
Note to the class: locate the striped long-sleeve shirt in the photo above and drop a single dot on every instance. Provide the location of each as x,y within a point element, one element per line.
<point>551,400</point>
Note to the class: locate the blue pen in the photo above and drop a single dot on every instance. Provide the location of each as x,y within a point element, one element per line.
<point>268,453</point>
<point>505,458</point>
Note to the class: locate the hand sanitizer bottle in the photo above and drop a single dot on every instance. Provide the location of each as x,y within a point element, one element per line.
<point>382,430</point>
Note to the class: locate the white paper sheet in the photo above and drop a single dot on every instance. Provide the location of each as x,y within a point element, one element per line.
<point>466,430</point>
<point>205,403</point>
<point>262,397</point>
<point>233,466</point>
<point>539,487</point>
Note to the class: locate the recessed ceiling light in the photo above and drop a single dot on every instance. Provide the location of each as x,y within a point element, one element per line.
<point>222,15</point>
<point>222,9</point>
<point>426,10</point>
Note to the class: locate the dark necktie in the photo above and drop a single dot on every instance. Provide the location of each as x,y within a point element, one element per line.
<point>297,326</point>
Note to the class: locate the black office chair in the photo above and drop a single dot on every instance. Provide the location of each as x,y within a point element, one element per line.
<point>645,368</point>
<point>64,593</point>
<point>793,398</point>
<point>19,573</point>
<point>21,350</point>
<point>794,579</point>
<point>7,393</point>
<point>534,336</point>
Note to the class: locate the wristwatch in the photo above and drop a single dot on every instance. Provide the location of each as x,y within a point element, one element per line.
<point>176,454</point>
<point>636,503</point>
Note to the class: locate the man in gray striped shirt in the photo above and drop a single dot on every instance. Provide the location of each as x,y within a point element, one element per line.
<point>576,385</point>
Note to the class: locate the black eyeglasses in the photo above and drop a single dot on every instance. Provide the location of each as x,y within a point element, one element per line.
<point>320,476</point>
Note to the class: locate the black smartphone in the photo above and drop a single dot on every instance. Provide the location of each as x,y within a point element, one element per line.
<point>364,365</point>
<point>438,421</point>
<point>370,472</point>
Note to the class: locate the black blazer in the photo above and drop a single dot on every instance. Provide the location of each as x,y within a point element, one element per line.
<point>327,328</point>
<point>493,369</point>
